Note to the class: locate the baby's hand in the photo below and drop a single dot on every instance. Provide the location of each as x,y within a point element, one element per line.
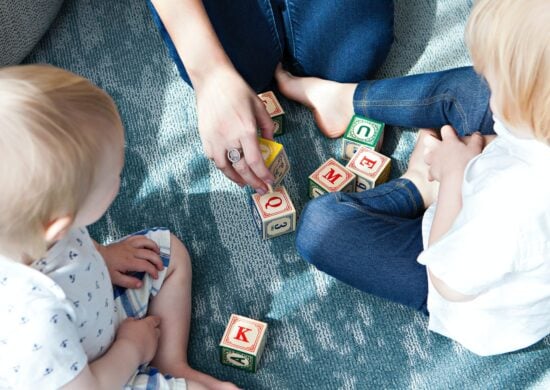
<point>450,155</point>
<point>142,334</point>
<point>134,254</point>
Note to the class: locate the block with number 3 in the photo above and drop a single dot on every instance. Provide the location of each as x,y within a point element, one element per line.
<point>274,109</point>
<point>243,343</point>
<point>274,213</point>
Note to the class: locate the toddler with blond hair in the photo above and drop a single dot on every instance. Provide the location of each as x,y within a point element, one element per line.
<point>478,259</point>
<point>63,324</point>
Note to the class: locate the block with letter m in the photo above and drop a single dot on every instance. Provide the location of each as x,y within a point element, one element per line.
<point>331,176</point>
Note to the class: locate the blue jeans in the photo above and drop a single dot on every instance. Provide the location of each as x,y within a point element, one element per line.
<point>458,97</point>
<point>369,240</point>
<point>311,37</point>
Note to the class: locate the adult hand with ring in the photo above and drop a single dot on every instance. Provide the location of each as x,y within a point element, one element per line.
<point>229,114</point>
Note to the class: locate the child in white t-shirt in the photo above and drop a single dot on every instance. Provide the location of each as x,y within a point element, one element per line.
<point>487,239</point>
<point>483,270</point>
<point>63,324</point>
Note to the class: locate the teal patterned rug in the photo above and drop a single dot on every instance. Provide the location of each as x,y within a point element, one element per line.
<point>322,334</point>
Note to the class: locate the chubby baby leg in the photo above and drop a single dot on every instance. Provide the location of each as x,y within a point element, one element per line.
<point>173,305</point>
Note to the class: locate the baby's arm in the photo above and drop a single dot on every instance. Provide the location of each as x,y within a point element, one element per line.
<point>448,159</point>
<point>136,343</point>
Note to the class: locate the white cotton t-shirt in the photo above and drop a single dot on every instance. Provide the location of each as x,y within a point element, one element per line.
<point>498,248</point>
<point>56,315</point>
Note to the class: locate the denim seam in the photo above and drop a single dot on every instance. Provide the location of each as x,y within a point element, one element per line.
<point>290,33</point>
<point>273,25</point>
<point>364,104</point>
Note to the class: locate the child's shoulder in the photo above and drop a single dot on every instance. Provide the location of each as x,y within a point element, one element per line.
<point>22,283</point>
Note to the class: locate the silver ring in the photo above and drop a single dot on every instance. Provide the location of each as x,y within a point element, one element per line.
<point>234,155</point>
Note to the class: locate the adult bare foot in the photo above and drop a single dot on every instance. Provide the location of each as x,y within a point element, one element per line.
<point>331,102</point>
<point>418,170</point>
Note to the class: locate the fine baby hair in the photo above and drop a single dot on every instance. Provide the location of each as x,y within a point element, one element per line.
<point>511,40</point>
<point>53,128</point>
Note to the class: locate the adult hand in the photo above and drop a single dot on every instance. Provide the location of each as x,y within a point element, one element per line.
<point>143,334</point>
<point>451,154</point>
<point>229,114</point>
<point>134,254</point>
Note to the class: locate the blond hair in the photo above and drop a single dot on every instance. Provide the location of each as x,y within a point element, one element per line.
<point>511,39</point>
<point>53,128</point>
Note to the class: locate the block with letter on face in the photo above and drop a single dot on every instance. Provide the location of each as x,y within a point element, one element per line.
<point>274,109</point>
<point>274,213</point>
<point>275,159</point>
<point>361,131</point>
<point>331,176</point>
<point>370,167</point>
<point>243,343</point>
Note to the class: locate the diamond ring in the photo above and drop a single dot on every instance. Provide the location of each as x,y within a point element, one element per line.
<point>234,155</point>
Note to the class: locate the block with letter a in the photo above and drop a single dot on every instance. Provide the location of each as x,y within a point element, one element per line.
<point>370,167</point>
<point>361,131</point>
<point>274,213</point>
<point>274,109</point>
<point>331,176</point>
<point>275,159</point>
<point>243,343</point>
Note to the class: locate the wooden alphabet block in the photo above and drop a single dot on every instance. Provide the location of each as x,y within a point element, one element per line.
<point>361,131</point>
<point>243,343</point>
<point>274,213</point>
<point>274,109</point>
<point>371,168</point>
<point>331,176</point>
<point>275,159</point>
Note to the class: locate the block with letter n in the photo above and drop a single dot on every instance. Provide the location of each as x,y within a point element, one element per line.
<point>370,167</point>
<point>274,109</point>
<point>274,213</point>
<point>275,159</point>
<point>331,176</point>
<point>243,343</point>
<point>361,131</point>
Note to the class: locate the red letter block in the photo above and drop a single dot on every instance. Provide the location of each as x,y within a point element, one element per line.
<point>331,177</point>
<point>243,343</point>
<point>274,213</point>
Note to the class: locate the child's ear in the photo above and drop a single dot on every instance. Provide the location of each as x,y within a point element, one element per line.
<point>56,229</point>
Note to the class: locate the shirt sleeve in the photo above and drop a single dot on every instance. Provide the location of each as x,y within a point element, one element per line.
<point>481,247</point>
<point>43,346</point>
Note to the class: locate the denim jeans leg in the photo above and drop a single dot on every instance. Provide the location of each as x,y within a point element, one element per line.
<point>249,34</point>
<point>344,41</point>
<point>369,240</point>
<point>458,97</point>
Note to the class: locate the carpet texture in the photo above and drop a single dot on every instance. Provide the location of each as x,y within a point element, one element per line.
<point>322,334</point>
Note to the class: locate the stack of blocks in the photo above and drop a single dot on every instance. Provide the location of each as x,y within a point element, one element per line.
<point>274,109</point>
<point>366,167</point>
<point>243,343</point>
<point>274,212</point>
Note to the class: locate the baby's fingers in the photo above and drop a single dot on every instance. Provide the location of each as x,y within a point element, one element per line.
<point>144,242</point>
<point>126,281</point>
